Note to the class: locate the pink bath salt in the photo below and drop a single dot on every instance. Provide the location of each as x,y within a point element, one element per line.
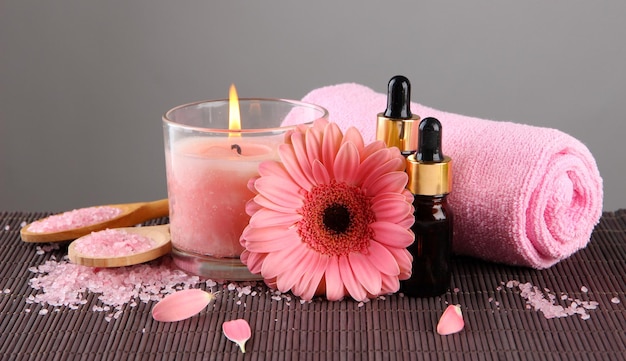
<point>66,284</point>
<point>112,243</point>
<point>76,218</point>
<point>548,305</point>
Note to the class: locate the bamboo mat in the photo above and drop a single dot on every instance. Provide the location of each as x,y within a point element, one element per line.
<point>500,325</point>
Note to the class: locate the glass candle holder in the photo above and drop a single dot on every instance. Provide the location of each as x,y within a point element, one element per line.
<point>208,169</point>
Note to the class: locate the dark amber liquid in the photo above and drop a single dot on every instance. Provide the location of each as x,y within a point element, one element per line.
<point>432,248</point>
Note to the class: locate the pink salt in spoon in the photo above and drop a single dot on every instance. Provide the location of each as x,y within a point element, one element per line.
<point>118,247</point>
<point>80,222</point>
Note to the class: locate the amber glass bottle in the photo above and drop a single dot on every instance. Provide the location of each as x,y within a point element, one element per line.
<point>432,247</point>
<point>430,181</point>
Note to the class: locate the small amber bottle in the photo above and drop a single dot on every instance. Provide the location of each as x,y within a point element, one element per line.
<point>430,181</point>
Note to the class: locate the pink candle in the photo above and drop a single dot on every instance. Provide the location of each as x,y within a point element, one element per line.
<point>212,150</point>
<point>207,183</point>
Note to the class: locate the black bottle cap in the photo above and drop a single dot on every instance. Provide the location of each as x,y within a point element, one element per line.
<point>430,172</point>
<point>429,141</point>
<point>398,98</point>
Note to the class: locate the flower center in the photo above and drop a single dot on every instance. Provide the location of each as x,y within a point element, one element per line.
<point>335,219</point>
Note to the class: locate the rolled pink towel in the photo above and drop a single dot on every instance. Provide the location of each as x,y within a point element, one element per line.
<point>521,195</point>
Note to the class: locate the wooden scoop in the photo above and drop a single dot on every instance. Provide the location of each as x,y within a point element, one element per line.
<point>132,214</point>
<point>159,234</point>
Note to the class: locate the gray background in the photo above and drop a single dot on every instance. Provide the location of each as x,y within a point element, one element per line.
<point>83,83</point>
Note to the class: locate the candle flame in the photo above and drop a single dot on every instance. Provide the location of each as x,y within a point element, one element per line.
<point>234,117</point>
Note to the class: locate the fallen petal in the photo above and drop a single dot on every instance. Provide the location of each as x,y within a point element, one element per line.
<point>237,331</point>
<point>451,321</point>
<point>181,305</point>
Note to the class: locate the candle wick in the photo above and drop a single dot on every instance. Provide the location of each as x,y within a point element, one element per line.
<point>236,147</point>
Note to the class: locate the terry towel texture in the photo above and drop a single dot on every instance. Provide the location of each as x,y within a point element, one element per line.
<point>521,195</point>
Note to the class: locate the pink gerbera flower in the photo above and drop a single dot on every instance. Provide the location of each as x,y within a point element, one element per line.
<point>332,218</point>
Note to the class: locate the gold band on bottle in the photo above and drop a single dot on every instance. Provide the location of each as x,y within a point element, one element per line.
<point>401,133</point>
<point>429,179</point>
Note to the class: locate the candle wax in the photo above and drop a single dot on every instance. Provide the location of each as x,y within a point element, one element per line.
<point>207,184</point>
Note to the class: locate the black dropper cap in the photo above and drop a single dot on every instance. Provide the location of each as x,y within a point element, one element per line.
<point>397,126</point>
<point>398,98</point>
<point>429,141</point>
<point>430,172</point>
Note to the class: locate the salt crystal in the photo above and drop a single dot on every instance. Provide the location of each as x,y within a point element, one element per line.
<point>615,300</point>
<point>7,290</point>
<point>112,243</point>
<point>456,290</point>
<point>512,284</point>
<point>43,311</point>
<point>232,286</point>
<point>23,224</point>
<point>7,227</point>
<point>584,289</point>
<point>76,218</point>
<point>211,283</point>
<point>66,284</point>
<point>546,303</point>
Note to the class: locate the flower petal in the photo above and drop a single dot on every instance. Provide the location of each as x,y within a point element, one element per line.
<point>280,261</point>
<point>334,286</point>
<point>269,239</point>
<point>237,331</point>
<point>378,164</point>
<point>405,262</point>
<point>354,136</point>
<point>181,305</point>
<point>392,235</point>
<point>291,164</point>
<point>273,168</point>
<point>282,192</point>
<point>374,147</point>
<point>299,147</point>
<point>330,146</point>
<point>264,217</point>
<point>312,279</point>
<point>368,275</point>
<point>451,321</point>
<point>320,173</point>
<point>300,260</point>
<point>346,163</point>
<point>263,202</point>
<point>392,208</point>
<point>253,260</point>
<point>389,182</point>
<point>384,260</point>
<point>313,139</point>
<point>355,289</point>
<point>391,284</point>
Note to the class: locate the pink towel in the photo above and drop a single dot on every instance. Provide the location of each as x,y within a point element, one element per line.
<point>521,195</point>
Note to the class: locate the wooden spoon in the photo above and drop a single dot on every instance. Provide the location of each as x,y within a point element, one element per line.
<point>132,214</point>
<point>159,234</point>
